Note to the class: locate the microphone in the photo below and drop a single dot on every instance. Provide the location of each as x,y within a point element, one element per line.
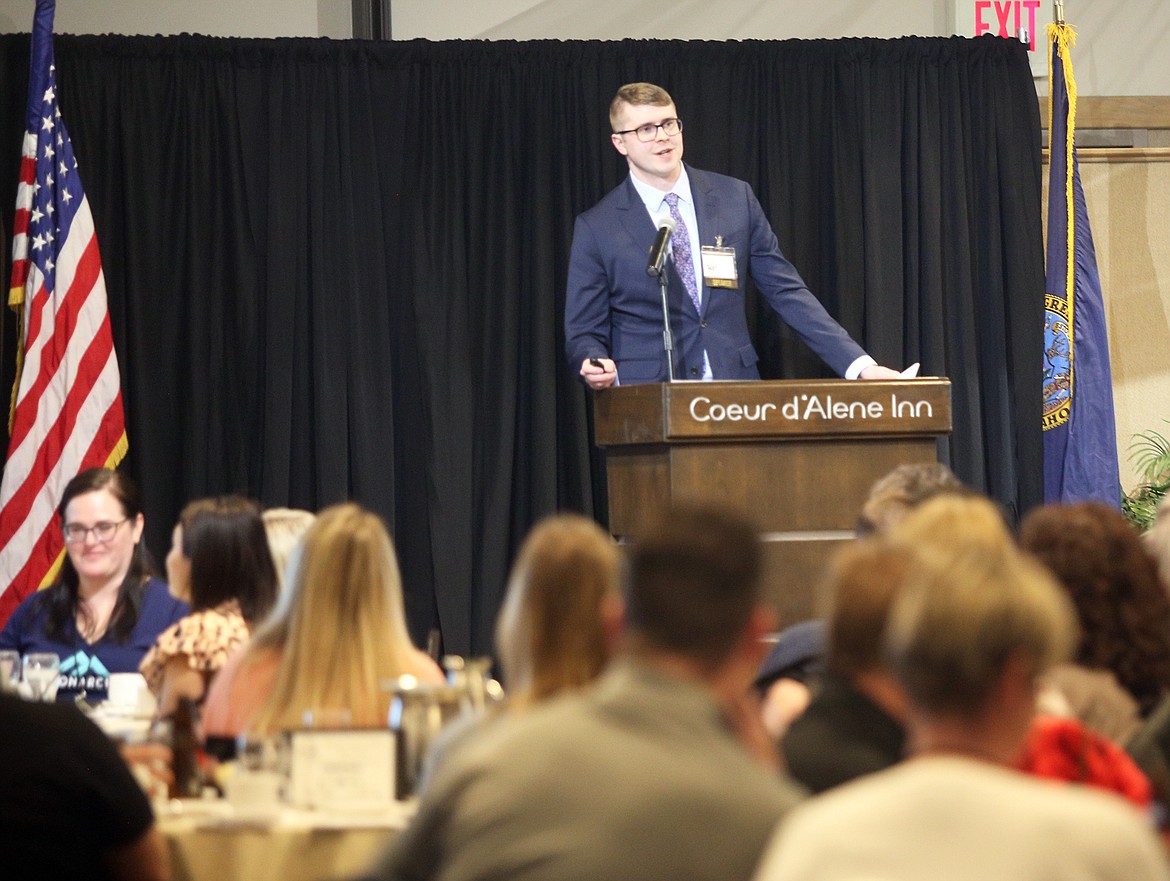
<point>666,226</point>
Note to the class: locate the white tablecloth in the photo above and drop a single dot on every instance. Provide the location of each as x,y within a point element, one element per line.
<point>208,843</point>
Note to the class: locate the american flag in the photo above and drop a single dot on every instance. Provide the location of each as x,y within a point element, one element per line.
<point>67,404</point>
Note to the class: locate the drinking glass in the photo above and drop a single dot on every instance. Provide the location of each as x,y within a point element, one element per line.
<point>258,784</point>
<point>40,672</point>
<point>9,669</point>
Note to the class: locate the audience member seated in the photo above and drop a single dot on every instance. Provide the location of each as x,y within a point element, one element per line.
<point>853,724</point>
<point>901,491</point>
<point>789,674</point>
<point>1122,608</point>
<point>1150,750</point>
<point>284,528</point>
<point>1066,749</point>
<point>220,565</point>
<point>69,807</point>
<point>647,774</point>
<point>338,633</point>
<point>105,611</point>
<point>970,632</point>
<point>551,634</point>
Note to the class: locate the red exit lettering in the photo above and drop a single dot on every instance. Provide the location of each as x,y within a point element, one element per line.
<point>1009,17</point>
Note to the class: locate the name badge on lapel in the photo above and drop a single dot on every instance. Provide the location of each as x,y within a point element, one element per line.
<point>719,270</point>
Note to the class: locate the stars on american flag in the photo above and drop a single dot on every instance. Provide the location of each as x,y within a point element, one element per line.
<point>55,191</point>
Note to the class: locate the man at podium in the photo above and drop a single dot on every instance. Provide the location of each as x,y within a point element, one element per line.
<point>717,236</point>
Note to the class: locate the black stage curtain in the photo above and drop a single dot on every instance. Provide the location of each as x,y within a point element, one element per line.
<point>336,269</point>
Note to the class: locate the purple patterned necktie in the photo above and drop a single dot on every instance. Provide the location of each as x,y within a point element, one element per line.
<point>680,246</point>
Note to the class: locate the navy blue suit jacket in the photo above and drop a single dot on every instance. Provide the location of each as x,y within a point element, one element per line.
<point>613,309</point>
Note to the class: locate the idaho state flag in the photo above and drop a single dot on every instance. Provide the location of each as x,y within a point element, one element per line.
<point>1080,441</point>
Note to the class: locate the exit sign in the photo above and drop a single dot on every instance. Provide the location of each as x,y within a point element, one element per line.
<point>1011,19</point>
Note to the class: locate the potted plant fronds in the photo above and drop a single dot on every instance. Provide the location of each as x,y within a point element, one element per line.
<point>1150,455</point>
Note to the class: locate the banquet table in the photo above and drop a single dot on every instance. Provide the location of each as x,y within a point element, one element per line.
<point>208,842</point>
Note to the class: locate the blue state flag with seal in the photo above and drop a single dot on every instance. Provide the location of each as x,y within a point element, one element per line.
<point>1080,438</point>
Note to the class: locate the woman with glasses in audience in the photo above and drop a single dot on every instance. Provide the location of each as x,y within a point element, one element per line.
<point>106,610</point>
<point>220,565</point>
<point>338,633</point>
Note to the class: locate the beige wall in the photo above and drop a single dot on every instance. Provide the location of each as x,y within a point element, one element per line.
<point>1129,209</point>
<point>255,18</point>
<point>1123,48</point>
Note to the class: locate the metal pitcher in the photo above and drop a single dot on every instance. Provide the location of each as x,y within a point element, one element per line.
<point>418,713</point>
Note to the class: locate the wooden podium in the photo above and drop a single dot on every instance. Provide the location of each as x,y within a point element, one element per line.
<point>799,457</point>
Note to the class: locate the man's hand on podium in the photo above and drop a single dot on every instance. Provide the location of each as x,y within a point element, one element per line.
<point>599,372</point>
<point>876,371</point>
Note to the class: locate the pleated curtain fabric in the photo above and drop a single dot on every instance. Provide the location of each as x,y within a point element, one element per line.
<point>336,268</point>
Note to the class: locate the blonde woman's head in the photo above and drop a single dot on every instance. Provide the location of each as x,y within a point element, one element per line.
<point>346,579</point>
<point>550,633</point>
<point>340,627</point>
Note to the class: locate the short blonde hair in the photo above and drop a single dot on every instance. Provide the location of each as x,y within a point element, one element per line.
<point>954,523</point>
<point>638,95</point>
<point>969,602</point>
<point>868,576</point>
<point>339,627</point>
<point>960,618</point>
<point>549,636</point>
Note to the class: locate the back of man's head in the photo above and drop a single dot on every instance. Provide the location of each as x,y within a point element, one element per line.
<point>959,619</point>
<point>906,487</point>
<point>864,580</point>
<point>692,583</point>
<point>969,601</point>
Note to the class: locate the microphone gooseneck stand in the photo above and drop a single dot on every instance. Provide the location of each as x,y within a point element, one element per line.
<point>667,336</point>
<point>656,266</point>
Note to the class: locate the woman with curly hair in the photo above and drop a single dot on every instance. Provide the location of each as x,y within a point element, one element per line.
<point>1122,608</point>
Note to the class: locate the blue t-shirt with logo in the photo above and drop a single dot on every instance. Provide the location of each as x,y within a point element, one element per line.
<point>87,666</point>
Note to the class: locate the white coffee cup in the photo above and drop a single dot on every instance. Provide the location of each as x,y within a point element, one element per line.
<point>129,691</point>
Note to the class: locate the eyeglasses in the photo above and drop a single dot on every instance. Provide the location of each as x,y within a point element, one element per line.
<point>75,533</point>
<point>649,131</point>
